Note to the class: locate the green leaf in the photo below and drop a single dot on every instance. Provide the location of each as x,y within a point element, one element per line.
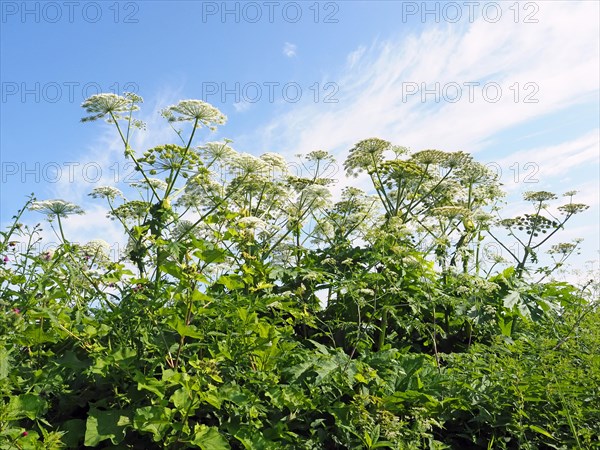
<point>171,268</point>
<point>69,360</point>
<point>74,432</point>
<point>234,395</point>
<point>4,363</point>
<point>511,299</point>
<point>153,419</point>
<point>253,439</point>
<point>412,365</point>
<point>231,282</point>
<point>30,406</point>
<point>505,324</point>
<point>209,438</point>
<point>150,384</point>
<point>212,398</point>
<point>213,255</point>
<point>298,370</point>
<point>102,425</point>
<point>185,400</point>
<point>322,348</point>
<point>184,330</point>
<point>324,369</point>
<point>541,431</point>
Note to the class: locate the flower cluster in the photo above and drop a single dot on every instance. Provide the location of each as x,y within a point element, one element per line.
<point>97,250</point>
<point>216,152</point>
<point>108,192</point>
<point>197,111</point>
<point>275,161</point>
<point>365,155</point>
<point>531,223</point>
<point>154,183</point>
<point>200,191</point>
<point>564,248</point>
<point>252,222</point>
<point>112,105</point>
<point>186,228</point>
<point>573,208</point>
<point>171,157</point>
<point>538,196</point>
<point>244,164</point>
<point>56,208</point>
<point>429,157</point>
<point>450,212</point>
<point>131,211</point>
<point>315,196</point>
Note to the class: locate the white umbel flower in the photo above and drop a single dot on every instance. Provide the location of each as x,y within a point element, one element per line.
<point>108,192</point>
<point>246,164</point>
<point>252,223</point>
<point>155,183</point>
<point>57,207</point>
<point>195,111</point>
<point>275,161</point>
<point>101,105</point>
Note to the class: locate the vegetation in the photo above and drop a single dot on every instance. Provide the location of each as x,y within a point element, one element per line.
<point>251,311</point>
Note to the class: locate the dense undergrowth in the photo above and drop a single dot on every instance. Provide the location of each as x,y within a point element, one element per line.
<point>250,311</point>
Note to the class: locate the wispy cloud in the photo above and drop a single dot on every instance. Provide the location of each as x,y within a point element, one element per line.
<point>241,107</point>
<point>557,161</point>
<point>374,86</point>
<point>289,50</point>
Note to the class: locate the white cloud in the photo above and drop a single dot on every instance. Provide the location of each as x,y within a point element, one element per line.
<point>550,164</point>
<point>289,50</point>
<point>374,101</point>
<point>241,107</point>
<point>355,56</point>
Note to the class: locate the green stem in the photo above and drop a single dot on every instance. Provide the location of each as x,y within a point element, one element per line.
<point>382,328</point>
<point>132,156</point>
<point>182,162</point>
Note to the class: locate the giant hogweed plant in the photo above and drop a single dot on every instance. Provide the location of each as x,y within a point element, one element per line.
<point>438,195</point>
<point>249,310</point>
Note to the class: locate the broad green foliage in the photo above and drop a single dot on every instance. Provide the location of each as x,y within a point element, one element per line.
<point>253,310</point>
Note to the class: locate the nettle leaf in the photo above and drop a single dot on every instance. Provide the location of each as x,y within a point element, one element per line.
<point>102,425</point>
<point>154,419</point>
<point>212,397</point>
<point>29,406</point>
<point>235,395</point>
<point>287,396</point>
<point>209,438</point>
<point>150,384</point>
<point>253,439</point>
<point>69,360</point>
<point>411,365</point>
<point>322,348</point>
<point>185,400</point>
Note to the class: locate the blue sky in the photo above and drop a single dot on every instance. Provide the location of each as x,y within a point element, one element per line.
<point>514,83</point>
